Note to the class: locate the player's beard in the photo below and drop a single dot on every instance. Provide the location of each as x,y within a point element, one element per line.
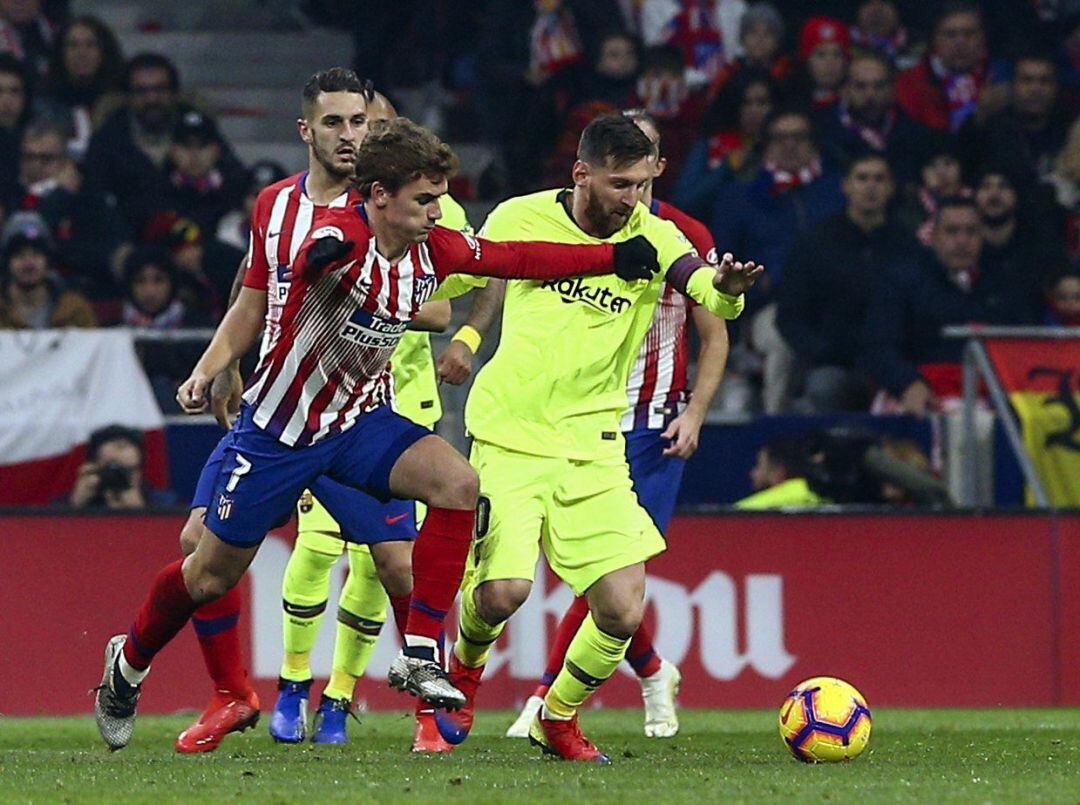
<point>603,221</point>
<point>327,158</point>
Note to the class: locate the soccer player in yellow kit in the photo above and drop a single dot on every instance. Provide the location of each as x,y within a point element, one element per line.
<point>544,413</point>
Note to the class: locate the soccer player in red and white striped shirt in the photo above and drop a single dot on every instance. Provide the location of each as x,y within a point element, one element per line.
<point>333,121</point>
<point>320,403</point>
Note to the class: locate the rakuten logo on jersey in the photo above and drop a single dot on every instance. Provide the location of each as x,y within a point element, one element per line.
<point>574,289</point>
<point>371,331</point>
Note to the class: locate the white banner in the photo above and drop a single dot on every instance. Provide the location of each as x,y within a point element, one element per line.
<point>59,386</point>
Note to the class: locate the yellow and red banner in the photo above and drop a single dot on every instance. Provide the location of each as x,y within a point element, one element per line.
<point>1042,379</point>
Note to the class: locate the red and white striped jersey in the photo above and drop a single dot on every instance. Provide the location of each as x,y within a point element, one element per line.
<point>280,222</point>
<point>329,363</point>
<point>657,390</point>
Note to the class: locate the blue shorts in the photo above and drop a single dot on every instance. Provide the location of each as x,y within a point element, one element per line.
<point>360,517</point>
<point>259,479</point>
<point>656,477</point>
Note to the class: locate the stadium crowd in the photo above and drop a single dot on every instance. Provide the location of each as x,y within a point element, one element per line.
<point>897,166</point>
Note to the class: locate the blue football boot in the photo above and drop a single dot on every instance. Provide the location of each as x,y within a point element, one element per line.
<point>328,726</point>
<point>288,722</point>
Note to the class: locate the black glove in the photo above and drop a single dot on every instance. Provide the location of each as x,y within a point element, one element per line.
<point>635,259</point>
<point>327,250</point>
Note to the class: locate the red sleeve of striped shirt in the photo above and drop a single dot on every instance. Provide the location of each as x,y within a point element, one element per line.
<point>455,252</point>
<point>257,275</point>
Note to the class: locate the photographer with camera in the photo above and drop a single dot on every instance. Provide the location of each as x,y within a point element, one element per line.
<point>111,477</point>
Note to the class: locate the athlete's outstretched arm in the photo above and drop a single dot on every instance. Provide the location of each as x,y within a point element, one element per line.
<point>236,334</point>
<point>454,365</point>
<point>456,253</point>
<point>717,289</point>
<point>685,429</point>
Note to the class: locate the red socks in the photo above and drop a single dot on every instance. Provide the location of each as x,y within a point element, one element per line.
<point>162,615</point>
<point>400,605</point>
<point>641,654</point>
<point>438,563</point>
<point>216,627</point>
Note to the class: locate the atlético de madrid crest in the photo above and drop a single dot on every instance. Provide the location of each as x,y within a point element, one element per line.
<point>224,507</point>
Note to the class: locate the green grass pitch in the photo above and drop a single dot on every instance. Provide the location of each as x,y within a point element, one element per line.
<point>914,755</point>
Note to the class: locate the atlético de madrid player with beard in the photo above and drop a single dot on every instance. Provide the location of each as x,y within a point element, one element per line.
<point>320,403</point>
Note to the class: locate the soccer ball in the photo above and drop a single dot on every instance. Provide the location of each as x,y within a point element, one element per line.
<point>825,720</point>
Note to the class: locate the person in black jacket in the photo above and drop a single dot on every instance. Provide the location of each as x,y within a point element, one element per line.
<point>126,160</point>
<point>831,275</point>
<point>867,118</point>
<point>904,350</point>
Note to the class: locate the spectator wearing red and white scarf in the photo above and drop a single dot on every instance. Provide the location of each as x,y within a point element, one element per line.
<point>868,119</point>
<point>726,150</point>
<point>879,29</point>
<point>956,77</point>
<point>792,193</point>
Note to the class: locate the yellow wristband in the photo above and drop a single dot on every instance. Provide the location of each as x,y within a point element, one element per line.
<point>469,337</point>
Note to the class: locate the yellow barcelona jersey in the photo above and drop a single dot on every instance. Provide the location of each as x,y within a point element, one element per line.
<point>556,385</point>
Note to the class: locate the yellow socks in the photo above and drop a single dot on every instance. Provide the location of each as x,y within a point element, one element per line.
<point>593,656</point>
<point>304,590</point>
<point>475,635</point>
<point>361,614</point>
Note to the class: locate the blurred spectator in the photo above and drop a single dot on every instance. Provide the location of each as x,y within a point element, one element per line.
<point>696,29</point>
<point>523,47</point>
<point>879,29</point>
<point>204,277</point>
<point>31,295</point>
<point>152,297</point>
<point>867,117</point>
<point>203,185</point>
<point>728,150</point>
<point>761,39</point>
<point>940,177</point>
<point>612,77</point>
<point>956,77</point>
<point>824,51</point>
<point>833,272</point>
<point>234,229</point>
<point>14,111</point>
<point>662,91</point>
<point>89,233</point>
<point>1018,250</point>
<point>1030,132</point>
<point>26,33</point>
<point>127,155</point>
<point>759,220</point>
<point>86,66</point>
<point>112,476</point>
<point>903,349</point>
<point>779,477</point>
<point>1063,299</point>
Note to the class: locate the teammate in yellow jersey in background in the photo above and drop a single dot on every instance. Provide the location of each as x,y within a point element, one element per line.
<point>545,413</point>
<point>373,582</point>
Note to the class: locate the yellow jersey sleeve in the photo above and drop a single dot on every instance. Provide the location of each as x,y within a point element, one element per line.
<point>689,272</point>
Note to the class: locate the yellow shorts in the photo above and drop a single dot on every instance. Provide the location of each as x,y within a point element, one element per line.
<point>584,513</point>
